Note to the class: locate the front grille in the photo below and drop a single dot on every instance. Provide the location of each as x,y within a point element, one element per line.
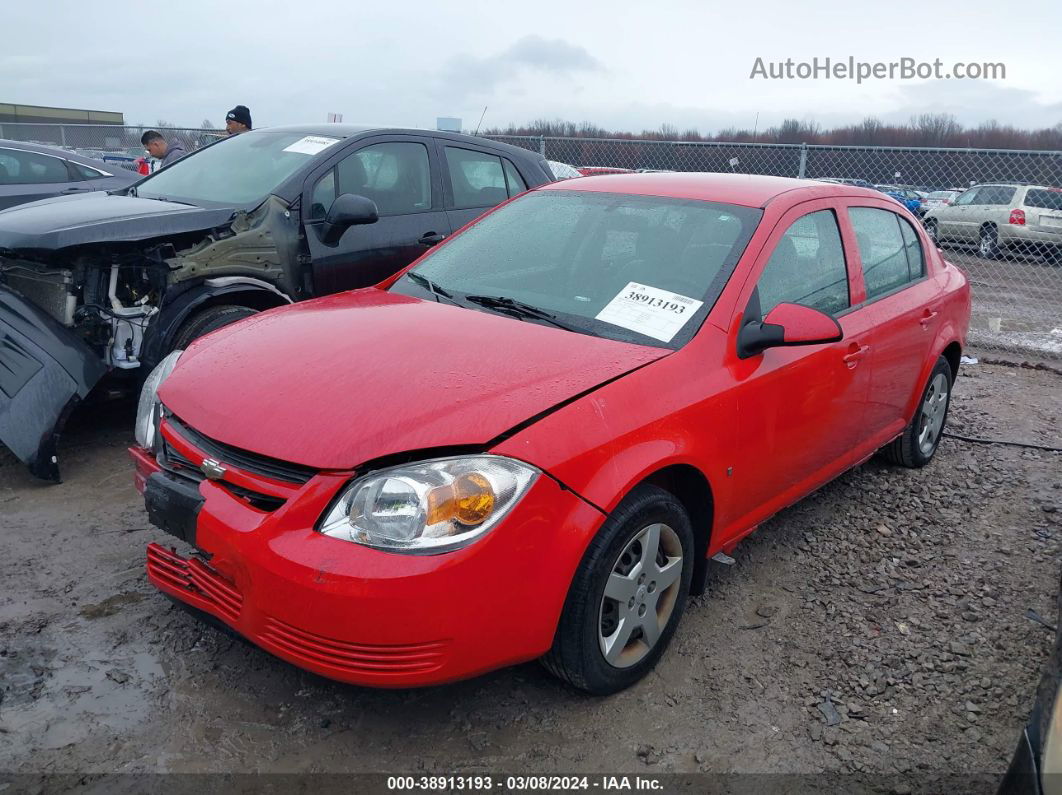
<point>406,658</point>
<point>172,461</point>
<point>176,463</point>
<point>242,459</point>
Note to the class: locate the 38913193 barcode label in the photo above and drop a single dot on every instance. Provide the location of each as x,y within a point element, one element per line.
<point>659,314</point>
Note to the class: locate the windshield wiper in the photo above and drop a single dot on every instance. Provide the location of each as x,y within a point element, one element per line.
<point>430,286</point>
<point>516,308</point>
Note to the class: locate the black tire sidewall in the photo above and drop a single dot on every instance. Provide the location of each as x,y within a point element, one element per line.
<point>646,506</point>
<point>208,320</point>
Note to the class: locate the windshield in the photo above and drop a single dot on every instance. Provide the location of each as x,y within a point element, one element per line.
<point>639,269</point>
<point>241,170</point>
<point>943,194</point>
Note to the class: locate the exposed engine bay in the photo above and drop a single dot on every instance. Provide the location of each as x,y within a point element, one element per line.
<point>108,308</point>
<point>108,294</point>
<point>116,292</point>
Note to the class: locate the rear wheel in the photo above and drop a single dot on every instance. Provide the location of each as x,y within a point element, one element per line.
<point>208,320</point>
<point>628,595</point>
<point>933,231</point>
<point>918,443</point>
<point>989,245</point>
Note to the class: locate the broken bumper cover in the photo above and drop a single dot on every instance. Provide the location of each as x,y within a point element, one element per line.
<point>368,617</point>
<point>45,371</point>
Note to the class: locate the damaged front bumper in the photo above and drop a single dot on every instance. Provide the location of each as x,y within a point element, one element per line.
<point>45,371</point>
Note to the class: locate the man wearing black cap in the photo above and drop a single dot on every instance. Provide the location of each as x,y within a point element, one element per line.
<point>238,120</point>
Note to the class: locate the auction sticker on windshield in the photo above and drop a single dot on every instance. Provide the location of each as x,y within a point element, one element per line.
<point>650,311</point>
<point>311,144</point>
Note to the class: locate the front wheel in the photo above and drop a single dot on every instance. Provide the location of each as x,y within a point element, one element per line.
<point>628,595</point>
<point>918,443</point>
<point>210,319</point>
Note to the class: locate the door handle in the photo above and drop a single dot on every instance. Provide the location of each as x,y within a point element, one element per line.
<point>74,190</point>
<point>431,238</point>
<point>927,317</point>
<point>855,354</point>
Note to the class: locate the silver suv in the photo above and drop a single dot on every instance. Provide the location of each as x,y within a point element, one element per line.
<point>998,217</point>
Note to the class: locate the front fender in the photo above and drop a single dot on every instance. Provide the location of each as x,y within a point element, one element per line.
<point>232,289</point>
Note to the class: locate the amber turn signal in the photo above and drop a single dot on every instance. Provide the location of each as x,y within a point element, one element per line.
<point>469,500</point>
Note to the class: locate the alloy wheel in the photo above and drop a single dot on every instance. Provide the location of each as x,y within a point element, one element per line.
<point>931,415</point>
<point>640,595</point>
<point>988,244</point>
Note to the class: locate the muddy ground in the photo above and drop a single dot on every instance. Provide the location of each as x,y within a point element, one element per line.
<point>877,629</point>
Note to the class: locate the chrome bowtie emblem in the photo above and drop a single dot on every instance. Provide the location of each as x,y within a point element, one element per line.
<point>212,469</point>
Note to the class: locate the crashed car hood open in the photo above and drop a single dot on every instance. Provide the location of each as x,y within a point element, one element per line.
<point>343,380</point>
<point>99,217</point>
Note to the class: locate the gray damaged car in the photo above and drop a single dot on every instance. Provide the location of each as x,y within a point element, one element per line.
<point>109,283</point>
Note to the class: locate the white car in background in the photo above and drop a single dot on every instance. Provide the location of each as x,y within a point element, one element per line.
<point>563,170</point>
<point>1000,217</point>
<point>941,198</point>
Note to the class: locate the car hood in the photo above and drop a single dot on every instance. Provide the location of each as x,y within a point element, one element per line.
<point>100,217</point>
<point>342,380</point>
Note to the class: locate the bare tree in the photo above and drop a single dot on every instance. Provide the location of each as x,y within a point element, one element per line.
<point>936,129</point>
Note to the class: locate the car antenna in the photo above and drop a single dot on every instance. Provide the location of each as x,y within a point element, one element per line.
<point>484,113</point>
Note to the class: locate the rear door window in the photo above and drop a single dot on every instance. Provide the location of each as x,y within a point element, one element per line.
<point>807,267</point>
<point>477,178</point>
<point>81,172</point>
<point>889,248</point>
<point>995,195</point>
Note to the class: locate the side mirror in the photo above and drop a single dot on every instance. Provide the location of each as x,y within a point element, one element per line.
<point>787,325</point>
<point>349,209</point>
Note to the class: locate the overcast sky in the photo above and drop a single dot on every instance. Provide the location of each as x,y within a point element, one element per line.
<point>622,65</point>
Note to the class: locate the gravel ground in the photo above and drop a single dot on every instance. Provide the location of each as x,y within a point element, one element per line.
<point>876,630</point>
<point>1022,293</point>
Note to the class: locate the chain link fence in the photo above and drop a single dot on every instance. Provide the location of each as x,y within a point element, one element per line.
<point>1007,235</point>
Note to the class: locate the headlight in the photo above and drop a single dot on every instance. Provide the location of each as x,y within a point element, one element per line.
<point>429,507</point>
<point>147,411</point>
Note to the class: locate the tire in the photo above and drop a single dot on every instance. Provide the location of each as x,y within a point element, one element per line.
<point>933,231</point>
<point>210,319</point>
<point>615,558</point>
<point>988,247</point>
<point>918,443</point>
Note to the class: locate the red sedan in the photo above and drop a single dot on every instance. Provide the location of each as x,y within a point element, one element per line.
<point>529,444</point>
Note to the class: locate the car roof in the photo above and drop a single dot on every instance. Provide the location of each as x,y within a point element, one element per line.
<point>350,130</point>
<point>55,151</point>
<point>749,190</point>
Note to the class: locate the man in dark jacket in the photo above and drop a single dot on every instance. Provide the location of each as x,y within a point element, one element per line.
<point>238,120</point>
<point>157,147</point>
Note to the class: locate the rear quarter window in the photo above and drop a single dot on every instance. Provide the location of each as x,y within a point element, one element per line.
<point>1044,199</point>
